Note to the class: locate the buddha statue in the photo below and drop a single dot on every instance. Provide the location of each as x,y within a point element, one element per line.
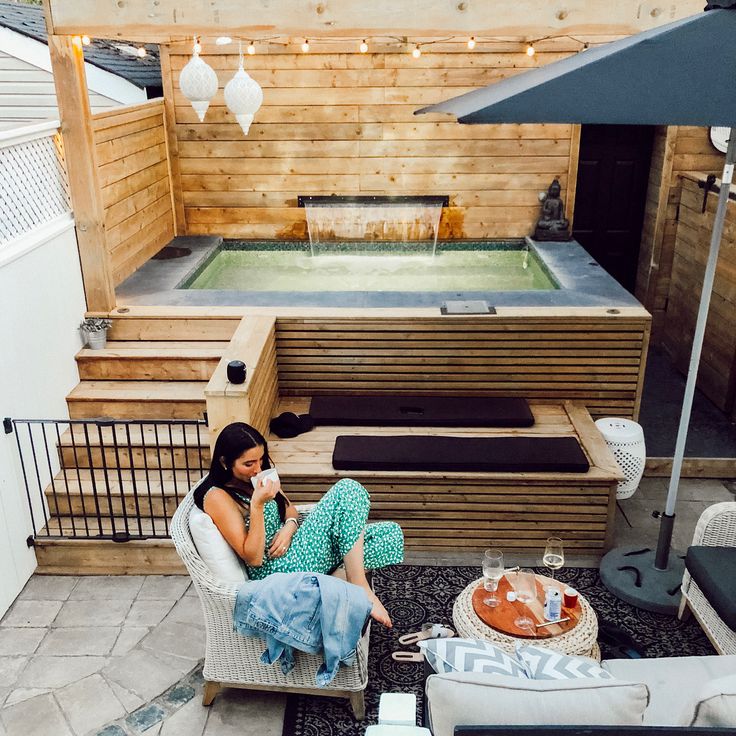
<point>552,225</point>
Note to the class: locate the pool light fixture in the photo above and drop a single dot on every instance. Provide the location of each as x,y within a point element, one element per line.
<point>198,82</point>
<point>363,47</point>
<point>243,96</point>
<point>471,43</point>
<point>305,46</point>
<point>416,52</point>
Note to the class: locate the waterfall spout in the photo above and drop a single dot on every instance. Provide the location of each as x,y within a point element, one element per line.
<point>372,219</point>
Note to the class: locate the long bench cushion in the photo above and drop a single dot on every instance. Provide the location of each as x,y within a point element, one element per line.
<point>478,698</point>
<point>472,454</point>
<point>714,570</point>
<point>421,411</point>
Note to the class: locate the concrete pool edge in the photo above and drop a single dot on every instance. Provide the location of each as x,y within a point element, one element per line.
<point>583,284</point>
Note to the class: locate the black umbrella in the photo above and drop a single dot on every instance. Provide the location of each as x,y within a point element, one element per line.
<point>678,74</point>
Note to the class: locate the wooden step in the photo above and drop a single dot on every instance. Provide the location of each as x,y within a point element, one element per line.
<point>151,361</point>
<point>103,557</point>
<point>151,494</point>
<point>137,400</point>
<point>139,446</point>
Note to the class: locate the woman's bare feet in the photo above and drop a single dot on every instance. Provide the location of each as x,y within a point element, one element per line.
<point>378,612</point>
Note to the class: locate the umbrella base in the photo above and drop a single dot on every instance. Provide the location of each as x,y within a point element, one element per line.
<point>629,573</point>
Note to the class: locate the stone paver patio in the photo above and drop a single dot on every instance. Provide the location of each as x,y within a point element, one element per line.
<point>120,655</point>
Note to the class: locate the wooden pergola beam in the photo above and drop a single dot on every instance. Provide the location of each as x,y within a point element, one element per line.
<point>528,19</point>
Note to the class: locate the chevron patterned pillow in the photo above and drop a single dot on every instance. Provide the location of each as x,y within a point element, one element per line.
<point>541,663</point>
<point>469,655</point>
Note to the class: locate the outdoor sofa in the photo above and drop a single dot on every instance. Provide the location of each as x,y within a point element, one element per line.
<point>676,694</point>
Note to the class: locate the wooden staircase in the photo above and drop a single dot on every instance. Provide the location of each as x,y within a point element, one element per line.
<point>127,477</point>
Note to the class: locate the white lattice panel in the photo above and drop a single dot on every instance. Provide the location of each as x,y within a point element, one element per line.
<point>33,186</point>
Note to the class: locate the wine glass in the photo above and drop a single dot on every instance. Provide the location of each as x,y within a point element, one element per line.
<point>493,570</point>
<point>554,555</point>
<point>525,586</point>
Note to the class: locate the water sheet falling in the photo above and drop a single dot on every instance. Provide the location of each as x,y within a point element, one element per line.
<point>372,219</point>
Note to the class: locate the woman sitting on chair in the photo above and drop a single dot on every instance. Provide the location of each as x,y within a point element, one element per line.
<point>262,526</point>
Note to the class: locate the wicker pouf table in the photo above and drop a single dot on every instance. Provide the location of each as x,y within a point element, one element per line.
<point>580,640</point>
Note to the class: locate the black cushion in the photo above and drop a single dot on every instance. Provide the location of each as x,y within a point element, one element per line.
<point>480,454</point>
<point>714,570</point>
<point>289,425</point>
<point>421,411</point>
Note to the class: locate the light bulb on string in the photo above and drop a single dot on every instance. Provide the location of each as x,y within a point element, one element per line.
<point>305,46</point>
<point>86,40</point>
<point>251,48</point>
<point>363,47</point>
<point>416,52</point>
<point>197,46</point>
<point>142,53</point>
<point>471,43</point>
<point>530,50</point>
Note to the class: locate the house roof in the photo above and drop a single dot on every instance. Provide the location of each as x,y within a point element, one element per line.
<point>108,55</point>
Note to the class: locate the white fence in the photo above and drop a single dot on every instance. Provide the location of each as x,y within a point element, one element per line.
<point>33,186</point>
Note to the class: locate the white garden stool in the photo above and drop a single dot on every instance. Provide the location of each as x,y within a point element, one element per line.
<point>626,441</point>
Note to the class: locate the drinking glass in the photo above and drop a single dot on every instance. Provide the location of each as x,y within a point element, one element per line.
<point>525,586</point>
<point>493,570</point>
<point>554,555</point>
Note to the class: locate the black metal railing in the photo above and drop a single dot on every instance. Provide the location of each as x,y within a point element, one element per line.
<point>107,479</point>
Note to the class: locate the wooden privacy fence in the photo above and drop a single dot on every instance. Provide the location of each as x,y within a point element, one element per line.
<point>132,156</point>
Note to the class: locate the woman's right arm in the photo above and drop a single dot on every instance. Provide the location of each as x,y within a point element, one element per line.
<point>249,544</point>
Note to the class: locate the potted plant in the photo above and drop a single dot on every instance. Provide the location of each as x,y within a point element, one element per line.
<point>95,331</point>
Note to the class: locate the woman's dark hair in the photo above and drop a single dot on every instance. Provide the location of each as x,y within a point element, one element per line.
<point>231,443</point>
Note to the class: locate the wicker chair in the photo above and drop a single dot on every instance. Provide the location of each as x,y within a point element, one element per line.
<point>716,527</point>
<point>232,660</point>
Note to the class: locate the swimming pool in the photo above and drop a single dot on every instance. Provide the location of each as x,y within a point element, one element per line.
<point>466,266</point>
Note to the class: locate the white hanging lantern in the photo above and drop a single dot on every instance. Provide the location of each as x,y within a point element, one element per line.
<point>198,83</point>
<point>243,96</point>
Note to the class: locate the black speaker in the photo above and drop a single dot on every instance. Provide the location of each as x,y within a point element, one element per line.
<point>236,371</point>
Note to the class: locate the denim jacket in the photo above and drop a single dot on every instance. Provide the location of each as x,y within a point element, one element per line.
<point>305,611</point>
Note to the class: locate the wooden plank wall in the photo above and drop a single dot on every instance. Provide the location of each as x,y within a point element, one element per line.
<point>134,176</point>
<point>717,373</point>
<point>337,121</point>
<point>677,150</point>
<point>597,361</point>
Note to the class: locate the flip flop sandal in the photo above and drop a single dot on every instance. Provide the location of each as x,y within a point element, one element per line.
<point>429,631</point>
<point>407,656</point>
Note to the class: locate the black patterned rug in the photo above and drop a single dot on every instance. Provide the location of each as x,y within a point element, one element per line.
<point>414,594</point>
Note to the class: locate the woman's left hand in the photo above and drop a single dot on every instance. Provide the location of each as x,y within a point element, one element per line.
<point>281,542</point>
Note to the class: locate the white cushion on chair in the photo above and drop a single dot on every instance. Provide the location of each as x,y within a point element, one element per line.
<point>216,553</point>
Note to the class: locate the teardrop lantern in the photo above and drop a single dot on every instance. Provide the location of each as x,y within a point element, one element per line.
<point>243,96</point>
<point>198,83</point>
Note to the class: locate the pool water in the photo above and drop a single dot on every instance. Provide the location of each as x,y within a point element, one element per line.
<point>474,267</point>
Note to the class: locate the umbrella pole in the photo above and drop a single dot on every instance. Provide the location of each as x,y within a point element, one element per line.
<point>668,518</point>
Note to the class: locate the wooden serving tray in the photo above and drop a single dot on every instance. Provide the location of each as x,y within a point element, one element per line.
<point>501,618</point>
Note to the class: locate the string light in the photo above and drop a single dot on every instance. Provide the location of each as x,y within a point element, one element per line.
<point>530,50</point>
<point>471,43</point>
<point>142,53</point>
<point>223,40</point>
<point>251,48</point>
<point>86,40</point>
<point>416,52</point>
<point>197,46</point>
<point>363,47</point>
<point>305,46</point>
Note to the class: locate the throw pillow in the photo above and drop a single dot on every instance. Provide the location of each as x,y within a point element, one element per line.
<point>215,552</point>
<point>541,663</point>
<point>469,655</point>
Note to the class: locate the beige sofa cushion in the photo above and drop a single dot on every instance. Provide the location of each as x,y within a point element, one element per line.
<point>476,698</point>
<point>674,684</point>
<point>716,703</point>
